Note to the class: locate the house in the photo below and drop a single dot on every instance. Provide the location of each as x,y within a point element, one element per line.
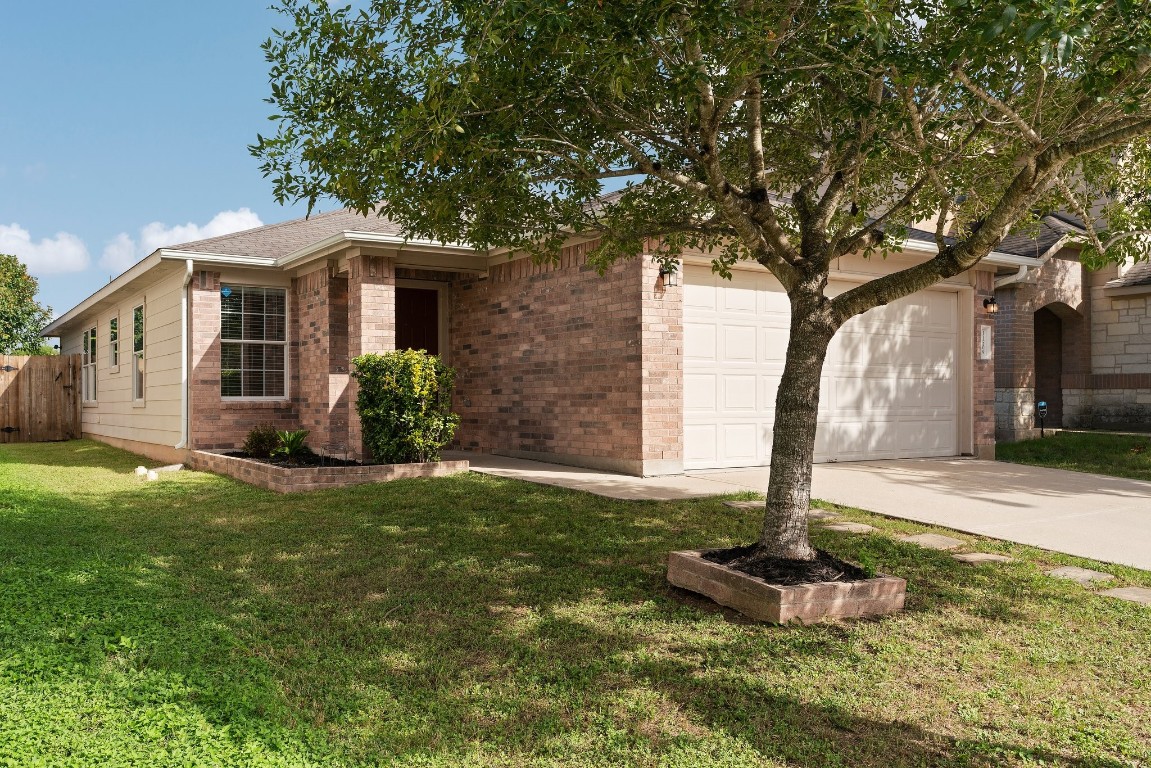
<point>628,371</point>
<point>1078,340</point>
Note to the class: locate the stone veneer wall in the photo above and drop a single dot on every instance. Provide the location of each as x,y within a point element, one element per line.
<point>560,363</point>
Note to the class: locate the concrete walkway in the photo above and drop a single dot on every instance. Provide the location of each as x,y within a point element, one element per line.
<point>1103,518</point>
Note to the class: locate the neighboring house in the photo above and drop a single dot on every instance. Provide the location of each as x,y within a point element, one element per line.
<point>1076,339</point>
<point>198,343</point>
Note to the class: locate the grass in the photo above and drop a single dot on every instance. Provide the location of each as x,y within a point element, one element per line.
<point>474,621</point>
<point>1102,454</point>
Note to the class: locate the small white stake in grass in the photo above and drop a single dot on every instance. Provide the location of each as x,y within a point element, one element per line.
<point>141,471</point>
<point>153,474</point>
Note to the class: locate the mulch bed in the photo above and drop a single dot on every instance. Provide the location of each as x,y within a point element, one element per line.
<point>785,573</point>
<point>307,460</point>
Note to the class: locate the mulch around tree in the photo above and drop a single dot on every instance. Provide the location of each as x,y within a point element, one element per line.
<point>785,573</point>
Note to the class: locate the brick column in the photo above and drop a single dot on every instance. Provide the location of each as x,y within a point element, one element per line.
<point>371,324</point>
<point>983,400</point>
<point>204,412</point>
<point>661,329</point>
<point>312,338</point>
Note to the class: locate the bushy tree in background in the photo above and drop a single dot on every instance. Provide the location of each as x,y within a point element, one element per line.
<point>781,132</point>
<point>21,316</point>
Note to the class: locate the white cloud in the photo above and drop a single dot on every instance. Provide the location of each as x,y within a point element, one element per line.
<point>123,250</point>
<point>50,255</point>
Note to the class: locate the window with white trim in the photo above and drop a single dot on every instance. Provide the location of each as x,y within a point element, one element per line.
<point>114,342</point>
<point>253,347</point>
<point>88,366</point>
<point>138,353</point>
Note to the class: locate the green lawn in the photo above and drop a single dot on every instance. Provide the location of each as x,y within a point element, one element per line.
<point>1104,454</point>
<point>472,621</point>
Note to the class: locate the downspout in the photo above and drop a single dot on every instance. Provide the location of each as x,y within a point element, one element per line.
<point>184,419</point>
<point>1024,269</point>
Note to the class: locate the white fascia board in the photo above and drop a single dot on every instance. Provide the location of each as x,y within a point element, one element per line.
<point>995,258</point>
<point>132,273</point>
<point>401,244</point>
<point>217,259</point>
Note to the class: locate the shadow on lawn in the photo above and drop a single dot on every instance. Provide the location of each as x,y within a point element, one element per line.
<point>421,619</point>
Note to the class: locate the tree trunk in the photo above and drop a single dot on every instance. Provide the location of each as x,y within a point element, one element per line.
<point>784,532</point>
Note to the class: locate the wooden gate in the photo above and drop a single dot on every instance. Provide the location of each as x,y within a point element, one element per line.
<point>39,398</point>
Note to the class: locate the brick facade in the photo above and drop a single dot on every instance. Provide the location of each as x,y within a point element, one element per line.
<point>1063,339</point>
<point>560,363</point>
<point>1045,315</point>
<point>216,423</point>
<point>983,397</point>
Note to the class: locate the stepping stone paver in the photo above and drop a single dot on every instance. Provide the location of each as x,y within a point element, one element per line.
<point>849,527</point>
<point>932,541</point>
<point>745,504</point>
<point>820,514</point>
<point>1140,595</point>
<point>983,557</point>
<point>1084,576</point>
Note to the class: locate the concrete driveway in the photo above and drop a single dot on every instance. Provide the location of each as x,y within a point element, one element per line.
<point>1103,518</point>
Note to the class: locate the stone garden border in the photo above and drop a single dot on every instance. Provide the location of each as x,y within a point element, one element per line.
<point>291,480</point>
<point>808,603</point>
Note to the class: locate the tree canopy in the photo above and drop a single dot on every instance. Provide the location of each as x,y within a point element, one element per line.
<point>783,132</point>
<point>21,316</point>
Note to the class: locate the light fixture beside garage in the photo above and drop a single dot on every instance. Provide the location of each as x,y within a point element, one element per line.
<point>990,306</point>
<point>669,275</point>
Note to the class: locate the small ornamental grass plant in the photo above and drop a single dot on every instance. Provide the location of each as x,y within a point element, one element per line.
<point>405,402</point>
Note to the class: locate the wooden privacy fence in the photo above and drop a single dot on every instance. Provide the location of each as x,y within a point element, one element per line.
<point>39,398</point>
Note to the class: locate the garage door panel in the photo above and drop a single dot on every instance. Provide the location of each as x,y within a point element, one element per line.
<point>699,341</point>
<point>699,294</point>
<point>739,297</point>
<point>700,392</point>
<point>889,386</point>
<point>741,442</point>
<point>739,393</point>
<point>701,444</point>
<point>773,345</point>
<point>738,343</point>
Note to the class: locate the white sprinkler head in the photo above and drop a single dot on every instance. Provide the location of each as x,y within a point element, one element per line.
<point>141,471</point>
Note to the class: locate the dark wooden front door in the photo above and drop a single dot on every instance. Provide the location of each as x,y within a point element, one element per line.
<point>418,319</point>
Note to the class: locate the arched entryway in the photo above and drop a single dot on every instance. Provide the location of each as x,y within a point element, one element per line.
<point>1049,364</point>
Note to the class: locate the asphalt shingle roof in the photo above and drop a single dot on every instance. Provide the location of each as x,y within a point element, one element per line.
<point>275,240</point>
<point>1140,274</point>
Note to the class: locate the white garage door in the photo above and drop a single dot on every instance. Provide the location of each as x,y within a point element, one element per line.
<point>889,387</point>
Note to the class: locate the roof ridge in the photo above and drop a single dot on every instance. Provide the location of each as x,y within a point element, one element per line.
<point>263,228</point>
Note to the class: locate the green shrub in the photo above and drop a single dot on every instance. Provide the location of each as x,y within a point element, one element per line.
<point>261,441</point>
<point>405,403</point>
<point>291,444</point>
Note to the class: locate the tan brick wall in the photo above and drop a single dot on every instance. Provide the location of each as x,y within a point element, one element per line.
<point>551,361</point>
<point>214,422</point>
<point>321,328</point>
<point>662,371</point>
<point>371,302</point>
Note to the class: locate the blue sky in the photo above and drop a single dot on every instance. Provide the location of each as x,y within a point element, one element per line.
<point>124,126</point>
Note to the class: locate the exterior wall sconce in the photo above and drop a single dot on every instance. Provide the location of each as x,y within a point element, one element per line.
<point>990,306</point>
<point>669,276</point>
